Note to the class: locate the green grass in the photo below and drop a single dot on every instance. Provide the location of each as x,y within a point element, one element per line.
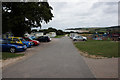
<point>7,55</point>
<point>102,48</point>
<point>59,36</point>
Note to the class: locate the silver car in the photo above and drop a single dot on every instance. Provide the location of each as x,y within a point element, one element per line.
<point>79,38</point>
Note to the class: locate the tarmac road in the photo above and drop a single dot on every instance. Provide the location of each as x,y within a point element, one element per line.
<point>57,59</point>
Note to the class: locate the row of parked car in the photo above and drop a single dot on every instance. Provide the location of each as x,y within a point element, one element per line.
<point>16,44</point>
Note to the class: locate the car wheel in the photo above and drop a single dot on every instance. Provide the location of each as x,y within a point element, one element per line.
<point>84,39</point>
<point>12,50</point>
<point>74,40</point>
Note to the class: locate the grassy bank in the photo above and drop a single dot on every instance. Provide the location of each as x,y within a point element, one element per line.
<point>59,36</point>
<point>6,55</point>
<point>101,48</point>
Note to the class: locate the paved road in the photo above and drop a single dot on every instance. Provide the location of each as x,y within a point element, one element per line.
<point>57,59</point>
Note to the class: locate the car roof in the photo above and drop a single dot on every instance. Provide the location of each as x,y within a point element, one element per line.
<point>14,37</point>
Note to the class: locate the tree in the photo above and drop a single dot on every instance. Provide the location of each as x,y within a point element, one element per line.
<point>20,17</point>
<point>60,32</point>
<point>34,30</point>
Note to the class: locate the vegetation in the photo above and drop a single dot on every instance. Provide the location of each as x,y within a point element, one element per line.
<point>101,48</point>
<point>6,55</point>
<point>58,32</point>
<point>100,30</point>
<point>59,36</point>
<point>20,17</point>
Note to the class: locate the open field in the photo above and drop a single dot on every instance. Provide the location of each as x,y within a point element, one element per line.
<point>101,48</point>
<point>7,55</point>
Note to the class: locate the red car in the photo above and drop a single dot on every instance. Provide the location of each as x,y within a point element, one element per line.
<point>35,42</point>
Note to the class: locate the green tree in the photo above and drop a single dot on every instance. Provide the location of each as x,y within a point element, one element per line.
<point>19,17</point>
<point>60,32</point>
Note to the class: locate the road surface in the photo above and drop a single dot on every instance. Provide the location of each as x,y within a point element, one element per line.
<point>57,59</point>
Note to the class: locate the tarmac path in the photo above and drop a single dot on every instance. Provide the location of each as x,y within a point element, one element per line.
<point>56,59</point>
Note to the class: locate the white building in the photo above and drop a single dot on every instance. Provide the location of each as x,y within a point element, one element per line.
<point>73,35</point>
<point>38,34</point>
<point>51,34</point>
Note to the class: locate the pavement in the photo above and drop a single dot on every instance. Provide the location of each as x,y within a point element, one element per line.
<point>103,68</point>
<point>59,59</point>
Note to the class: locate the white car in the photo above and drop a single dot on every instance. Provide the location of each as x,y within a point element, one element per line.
<point>79,38</point>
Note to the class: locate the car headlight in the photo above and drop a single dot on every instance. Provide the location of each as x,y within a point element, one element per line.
<point>37,41</point>
<point>19,47</point>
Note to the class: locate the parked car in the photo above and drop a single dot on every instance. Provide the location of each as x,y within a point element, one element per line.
<point>6,45</point>
<point>32,37</point>
<point>35,42</point>
<point>20,40</point>
<point>73,35</point>
<point>79,38</point>
<point>44,39</point>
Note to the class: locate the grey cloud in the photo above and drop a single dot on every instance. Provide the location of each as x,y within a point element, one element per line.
<point>106,7</point>
<point>68,14</point>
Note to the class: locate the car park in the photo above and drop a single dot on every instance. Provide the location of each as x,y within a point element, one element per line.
<point>79,38</point>
<point>44,39</point>
<point>6,45</point>
<point>20,40</point>
<point>35,42</point>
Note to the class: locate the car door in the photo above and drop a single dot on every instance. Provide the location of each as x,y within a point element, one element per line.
<point>17,41</point>
<point>5,46</point>
<point>80,38</point>
<point>77,37</point>
<point>0,45</point>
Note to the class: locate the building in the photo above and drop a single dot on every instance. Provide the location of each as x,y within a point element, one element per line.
<point>73,35</point>
<point>38,34</point>
<point>51,34</point>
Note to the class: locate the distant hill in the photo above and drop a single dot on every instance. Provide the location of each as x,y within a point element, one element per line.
<point>99,29</point>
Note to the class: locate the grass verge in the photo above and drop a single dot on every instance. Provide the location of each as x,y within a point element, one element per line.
<point>7,55</point>
<point>99,48</point>
<point>59,36</point>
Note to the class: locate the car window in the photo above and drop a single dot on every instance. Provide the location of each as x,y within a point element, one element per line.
<point>4,42</point>
<point>9,39</point>
<point>77,36</point>
<point>30,38</point>
<point>22,39</point>
<point>15,39</point>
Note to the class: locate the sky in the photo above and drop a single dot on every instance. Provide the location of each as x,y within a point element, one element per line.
<point>80,14</point>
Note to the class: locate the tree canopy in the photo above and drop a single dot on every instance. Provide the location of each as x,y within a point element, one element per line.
<point>19,17</point>
<point>50,29</point>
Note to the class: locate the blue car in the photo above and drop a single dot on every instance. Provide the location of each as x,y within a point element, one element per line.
<point>6,45</point>
<point>27,43</point>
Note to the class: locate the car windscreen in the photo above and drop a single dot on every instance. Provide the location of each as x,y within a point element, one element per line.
<point>30,38</point>
<point>15,39</point>
<point>46,37</point>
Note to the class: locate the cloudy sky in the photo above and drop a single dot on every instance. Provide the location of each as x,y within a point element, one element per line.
<point>79,14</point>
